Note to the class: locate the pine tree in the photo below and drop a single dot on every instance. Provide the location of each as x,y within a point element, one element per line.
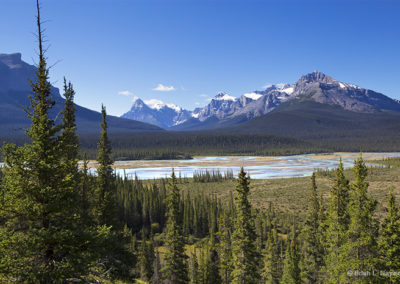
<point>146,259</point>
<point>175,269</point>
<point>272,262</point>
<point>312,248</point>
<point>106,206</point>
<point>85,190</point>
<point>360,250</point>
<point>246,259</point>
<point>68,137</point>
<point>212,262</point>
<point>337,223</point>
<point>40,237</point>
<point>194,268</point>
<point>225,248</point>
<point>389,241</point>
<point>291,269</point>
<point>157,277</point>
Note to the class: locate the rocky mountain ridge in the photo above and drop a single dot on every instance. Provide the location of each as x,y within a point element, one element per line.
<point>315,86</point>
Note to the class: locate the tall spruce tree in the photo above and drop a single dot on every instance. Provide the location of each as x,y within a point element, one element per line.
<point>272,261</point>
<point>291,268</point>
<point>40,240</point>
<point>69,139</point>
<point>106,206</point>
<point>193,268</point>
<point>337,223</point>
<point>389,241</point>
<point>157,277</point>
<point>212,262</point>
<point>246,258</point>
<point>360,251</point>
<point>225,248</point>
<point>175,269</point>
<point>312,248</point>
<point>146,259</point>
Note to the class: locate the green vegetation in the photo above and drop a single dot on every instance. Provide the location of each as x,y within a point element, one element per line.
<point>59,224</point>
<point>212,176</point>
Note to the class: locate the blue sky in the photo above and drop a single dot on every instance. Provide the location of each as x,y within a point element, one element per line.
<point>197,48</point>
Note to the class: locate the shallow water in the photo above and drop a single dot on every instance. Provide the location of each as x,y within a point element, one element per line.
<point>257,167</point>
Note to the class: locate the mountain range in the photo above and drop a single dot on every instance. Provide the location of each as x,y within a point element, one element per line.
<point>15,89</point>
<point>316,108</point>
<point>225,110</point>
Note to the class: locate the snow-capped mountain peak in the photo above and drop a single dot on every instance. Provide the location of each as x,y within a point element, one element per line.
<point>253,95</point>
<point>157,105</point>
<point>157,112</point>
<point>224,97</point>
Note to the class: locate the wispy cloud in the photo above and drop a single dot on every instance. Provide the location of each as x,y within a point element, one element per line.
<point>163,88</point>
<point>204,96</point>
<point>197,103</point>
<point>125,93</point>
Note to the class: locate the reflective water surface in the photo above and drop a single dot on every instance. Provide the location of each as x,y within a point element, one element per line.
<point>257,167</point>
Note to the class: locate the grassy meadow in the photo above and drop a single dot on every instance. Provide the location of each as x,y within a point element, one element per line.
<point>289,195</point>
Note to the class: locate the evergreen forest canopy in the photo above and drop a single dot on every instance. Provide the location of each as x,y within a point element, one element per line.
<point>59,224</point>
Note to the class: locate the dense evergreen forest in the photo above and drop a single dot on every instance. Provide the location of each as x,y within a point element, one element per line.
<point>59,224</point>
<point>184,145</point>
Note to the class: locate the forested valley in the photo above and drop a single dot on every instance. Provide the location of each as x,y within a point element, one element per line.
<point>61,224</point>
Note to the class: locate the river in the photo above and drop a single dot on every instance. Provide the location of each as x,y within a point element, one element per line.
<point>257,167</point>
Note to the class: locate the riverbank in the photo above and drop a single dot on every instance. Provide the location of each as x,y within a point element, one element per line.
<point>266,167</point>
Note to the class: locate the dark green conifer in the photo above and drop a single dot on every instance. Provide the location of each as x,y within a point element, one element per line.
<point>291,268</point>
<point>212,266</point>
<point>106,210</point>
<point>246,258</point>
<point>175,268</point>
<point>389,241</point>
<point>360,251</point>
<point>312,248</point>
<point>337,223</point>
<point>146,259</point>
<point>40,237</point>
<point>225,248</point>
<point>272,261</point>
<point>157,277</point>
<point>193,268</point>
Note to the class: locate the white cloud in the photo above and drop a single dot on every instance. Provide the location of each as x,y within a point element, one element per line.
<point>163,88</point>
<point>125,93</point>
<point>204,96</point>
<point>197,103</point>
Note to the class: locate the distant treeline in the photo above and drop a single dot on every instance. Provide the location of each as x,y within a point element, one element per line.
<point>181,145</point>
<point>184,145</point>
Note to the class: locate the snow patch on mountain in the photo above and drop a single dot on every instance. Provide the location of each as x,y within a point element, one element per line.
<point>224,97</point>
<point>254,96</point>
<point>288,90</point>
<point>157,104</point>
